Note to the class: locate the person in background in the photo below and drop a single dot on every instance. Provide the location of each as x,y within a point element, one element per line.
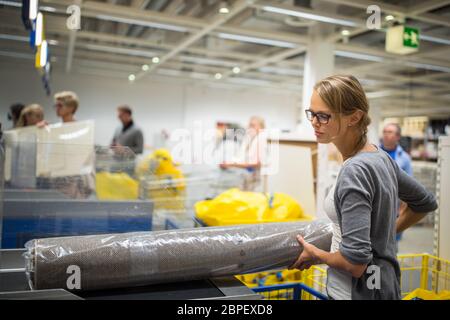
<point>14,112</point>
<point>392,134</point>
<point>31,115</point>
<point>66,105</point>
<point>252,154</point>
<point>127,135</point>
<point>390,143</point>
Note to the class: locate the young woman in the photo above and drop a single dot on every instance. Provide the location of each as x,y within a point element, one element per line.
<point>31,115</point>
<point>364,201</point>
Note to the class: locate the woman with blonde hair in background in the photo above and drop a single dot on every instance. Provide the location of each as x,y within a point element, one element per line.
<point>363,203</point>
<point>31,115</point>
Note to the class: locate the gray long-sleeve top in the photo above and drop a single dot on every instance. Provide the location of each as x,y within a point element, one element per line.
<point>366,200</point>
<point>130,136</point>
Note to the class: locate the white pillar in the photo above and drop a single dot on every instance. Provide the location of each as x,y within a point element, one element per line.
<point>374,128</point>
<point>319,63</point>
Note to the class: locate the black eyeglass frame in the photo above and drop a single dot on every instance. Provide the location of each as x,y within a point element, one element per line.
<point>323,118</point>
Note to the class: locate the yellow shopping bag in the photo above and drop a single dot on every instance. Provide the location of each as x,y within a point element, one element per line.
<point>116,186</point>
<point>242,207</point>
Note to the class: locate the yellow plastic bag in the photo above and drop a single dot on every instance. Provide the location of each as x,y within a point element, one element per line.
<point>428,295</point>
<point>242,207</point>
<point>116,186</point>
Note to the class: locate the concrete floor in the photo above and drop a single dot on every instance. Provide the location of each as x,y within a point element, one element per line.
<point>417,239</point>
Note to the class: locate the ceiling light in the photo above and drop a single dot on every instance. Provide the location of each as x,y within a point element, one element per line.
<point>310,16</point>
<point>155,25</point>
<point>155,60</point>
<point>224,8</point>
<point>218,76</point>
<point>236,70</point>
<point>389,17</point>
<point>345,33</point>
<point>145,67</point>
<point>131,77</point>
<point>264,41</point>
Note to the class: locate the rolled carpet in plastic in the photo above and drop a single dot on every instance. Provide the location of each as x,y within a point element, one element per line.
<point>143,258</point>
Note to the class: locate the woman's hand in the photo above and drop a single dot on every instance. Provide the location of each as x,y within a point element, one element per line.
<point>42,124</point>
<point>225,165</point>
<point>308,257</point>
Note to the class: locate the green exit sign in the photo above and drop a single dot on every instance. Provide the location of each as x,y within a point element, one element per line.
<point>410,37</point>
<point>402,40</point>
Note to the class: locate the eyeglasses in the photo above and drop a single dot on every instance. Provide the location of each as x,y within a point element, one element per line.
<point>323,118</point>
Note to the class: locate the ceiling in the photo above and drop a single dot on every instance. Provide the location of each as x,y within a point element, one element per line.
<point>257,43</point>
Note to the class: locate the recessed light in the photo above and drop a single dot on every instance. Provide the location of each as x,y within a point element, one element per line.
<point>389,17</point>
<point>131,77</point>
<point>345,33</point>
<point>145,67</point>
<point>155,60</point>
<point>236,70</point>
<point>218,76</point>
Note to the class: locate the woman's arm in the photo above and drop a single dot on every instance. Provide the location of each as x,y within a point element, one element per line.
<point>407,218</point>
<point>240,165</point>
<point>312,255</point>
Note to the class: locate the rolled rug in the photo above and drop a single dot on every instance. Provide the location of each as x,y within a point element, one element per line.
<point>143,258</point>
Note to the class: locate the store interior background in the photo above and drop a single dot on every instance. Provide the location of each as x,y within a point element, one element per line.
<point>413,90</point>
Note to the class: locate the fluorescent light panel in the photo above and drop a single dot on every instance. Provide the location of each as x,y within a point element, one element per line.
<point>11,3</point>
<point>428,66</point>
<point>310,16</point>
<point>359,56</point>
<point>435,39</point>
<point>264,41</point>
<point>156,25</point>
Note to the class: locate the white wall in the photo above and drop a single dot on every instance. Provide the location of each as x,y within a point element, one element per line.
<point>157,105</point>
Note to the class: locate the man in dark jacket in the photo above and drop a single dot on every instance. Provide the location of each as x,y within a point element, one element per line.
<point>127,135</point>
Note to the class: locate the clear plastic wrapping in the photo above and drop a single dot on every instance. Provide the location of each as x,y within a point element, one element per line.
<point>143,258</point>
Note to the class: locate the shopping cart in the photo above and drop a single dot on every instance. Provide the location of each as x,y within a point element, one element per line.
<point>290,291</point>
<point>423,276</point>
<point>423,271</point>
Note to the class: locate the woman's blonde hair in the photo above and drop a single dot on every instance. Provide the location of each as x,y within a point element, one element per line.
<point>260,120</point>
<point>68,98</point>
<point>28,110</point>
<point>344,95</point>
